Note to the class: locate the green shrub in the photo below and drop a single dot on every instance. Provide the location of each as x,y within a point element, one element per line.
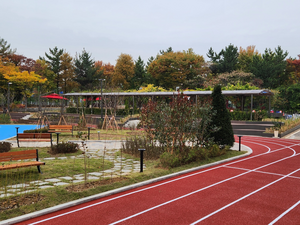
<point>64,147</point>
<point>5,119</point>
<point>169,160</point>
<point>131,146</point>
<point>42,130</point>
<point>5,146</point>
<point>97,111</point>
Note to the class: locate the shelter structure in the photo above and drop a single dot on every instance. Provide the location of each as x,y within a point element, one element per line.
<point>242,94</point>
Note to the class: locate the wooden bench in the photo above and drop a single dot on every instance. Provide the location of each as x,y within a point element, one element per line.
<point>60,128</point>
<point>20,155</point>
<point>33,137</point>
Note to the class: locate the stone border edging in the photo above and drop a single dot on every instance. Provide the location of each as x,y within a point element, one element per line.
<point>118,190</point>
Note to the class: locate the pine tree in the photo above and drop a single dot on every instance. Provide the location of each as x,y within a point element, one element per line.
<point>5,49</point>
<point>55,62</point>
<point>85,71</point>
<point>139,74</point>
<point>221,119</point>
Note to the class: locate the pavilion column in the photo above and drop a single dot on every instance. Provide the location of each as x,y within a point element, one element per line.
<point>251,107</point>
<point>242,103</point>
<point>132,105</point>
<point>269,104</point>
<point>77,100</point>
<point>92,104</point>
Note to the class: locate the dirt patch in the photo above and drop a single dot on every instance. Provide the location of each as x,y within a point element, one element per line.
<point>93,184</point>
<point>18,201</point>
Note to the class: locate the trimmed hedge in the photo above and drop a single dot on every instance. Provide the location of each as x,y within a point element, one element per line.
<point>42,130</point>
<point>243,115</point>
<point>97,111</point>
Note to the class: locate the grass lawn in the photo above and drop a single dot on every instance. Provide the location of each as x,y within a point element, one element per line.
<point>43,198</point>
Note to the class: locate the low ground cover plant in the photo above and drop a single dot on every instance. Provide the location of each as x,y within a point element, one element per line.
<point>5,146</point>
<point>64,147</point>
<point>5,119</point>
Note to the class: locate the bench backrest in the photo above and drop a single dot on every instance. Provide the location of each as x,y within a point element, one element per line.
<point>34,135</point>
<point>19,155</point>
<point>69,127</point>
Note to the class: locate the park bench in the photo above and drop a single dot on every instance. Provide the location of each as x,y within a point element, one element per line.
<point>20,155</point>
<point>60,128</point>
<point>34,137</point>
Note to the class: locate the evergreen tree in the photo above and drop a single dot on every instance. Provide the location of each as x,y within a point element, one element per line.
<point>225,61</point>
<point>139,74</point>
<point>5,49</point>
<point>270,67</point>
<point>53,59</point>
<point>85,71</point>
<point>221,119</point>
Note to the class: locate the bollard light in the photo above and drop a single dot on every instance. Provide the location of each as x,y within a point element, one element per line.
<point>240,136</point>
<point>98,135</point>
<point>57,137</point>
<point>89,130</point>
<point>17,128</point>
<point>141,160</point>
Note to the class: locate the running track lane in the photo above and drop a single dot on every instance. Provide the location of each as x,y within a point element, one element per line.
<point>263,188</point>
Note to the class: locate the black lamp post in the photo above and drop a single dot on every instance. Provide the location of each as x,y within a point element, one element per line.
<point>8,97</point>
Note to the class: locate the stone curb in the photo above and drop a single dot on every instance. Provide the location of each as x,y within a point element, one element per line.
<point>118,190</point>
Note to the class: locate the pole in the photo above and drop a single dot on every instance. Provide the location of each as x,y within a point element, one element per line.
<point>8,97</point>
<point>251,107</point>
<point>18,137</point>
<point>141,158</point>
<point>89,133</point>
<point>57,137</point>
<point>240,136</point>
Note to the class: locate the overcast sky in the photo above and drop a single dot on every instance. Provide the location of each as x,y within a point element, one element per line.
<point>142,28</point>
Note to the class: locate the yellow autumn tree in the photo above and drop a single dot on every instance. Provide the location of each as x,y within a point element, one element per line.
<point>124,71</point>
<point>173,69</point>
<point>245,58</point>
<point>24,81</point>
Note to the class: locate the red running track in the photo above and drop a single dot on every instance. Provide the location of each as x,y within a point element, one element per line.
<point>263,188</point>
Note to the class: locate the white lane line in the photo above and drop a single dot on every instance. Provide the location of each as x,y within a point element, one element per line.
<point>276,174</point>
<point>158,185</point>
<point>212,185</point>
<point>284,213</point>
<point>261,154</point>
<point>274,144</point>
<point>246,196</point>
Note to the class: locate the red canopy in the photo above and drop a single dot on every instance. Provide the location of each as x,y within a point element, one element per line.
<point>54,96</point>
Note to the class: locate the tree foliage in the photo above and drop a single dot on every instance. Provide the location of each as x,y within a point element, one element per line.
<point>54,61</point>
<point>270,67</point>
<point>173,68</point>
<point>85,71</point>
<point>140,74</point>
<point>288,98</point>
<point>67,73</point>
<point>107,70</point>
<point>221,119</point>
<point>224,61</point>
<point>294,69</point>
<point>174,124</point>
<point>5,48</point>
<point>245,58</point>
<point>124,71</point>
